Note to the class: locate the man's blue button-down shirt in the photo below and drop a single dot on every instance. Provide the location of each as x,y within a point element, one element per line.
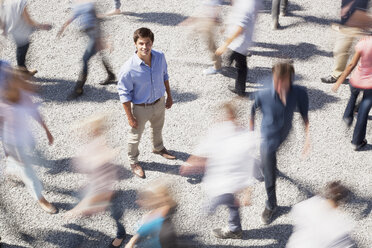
<point>277,117</point>
<point>140,83</point>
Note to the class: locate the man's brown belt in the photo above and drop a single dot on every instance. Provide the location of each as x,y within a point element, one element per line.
<point>148,104</point>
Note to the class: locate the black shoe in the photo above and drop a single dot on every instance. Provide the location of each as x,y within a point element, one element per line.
<point>348,121</point>
<point>329,79</point>
<point>111,79</point>
<point>225,233</point>
<point>361,145</point>
<point>233,90</point>
<point>267,216</point>
<point>75,94</point>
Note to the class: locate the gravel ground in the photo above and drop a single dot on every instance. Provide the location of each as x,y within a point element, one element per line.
<point>306,37</point>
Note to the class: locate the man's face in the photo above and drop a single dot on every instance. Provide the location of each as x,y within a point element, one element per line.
<point>282,83</point>
<point>143,46</point>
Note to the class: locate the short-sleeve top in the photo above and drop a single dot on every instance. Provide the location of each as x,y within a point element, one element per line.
<point>361,77</point>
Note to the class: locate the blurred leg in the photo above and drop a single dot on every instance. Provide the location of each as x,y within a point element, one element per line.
<point>21,52</point>
<point>362,119</point>
<point>341,53</point>
<point>269,168</point>
<point>350,107</point>
<point>241,65</point>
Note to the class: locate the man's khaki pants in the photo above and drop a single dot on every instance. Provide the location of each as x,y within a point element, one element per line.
<point>155,115</point>
<point>341,51</point>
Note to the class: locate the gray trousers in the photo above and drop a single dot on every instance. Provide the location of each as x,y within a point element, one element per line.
<point>229,201</point>
<point>276,6</point>
<point>117,4</point>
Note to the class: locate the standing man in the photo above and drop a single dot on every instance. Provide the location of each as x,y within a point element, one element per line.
<point>277,105</point>
<point>242,20</point>
<point>143,80</point>
<point>278,5</point>
<point>346,36</point>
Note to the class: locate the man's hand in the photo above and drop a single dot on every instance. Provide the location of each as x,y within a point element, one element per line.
<point>221,50</point>
<point>168,102</point>
<point>60,32</point>
<point>335,87</point>
<point>133,122</point>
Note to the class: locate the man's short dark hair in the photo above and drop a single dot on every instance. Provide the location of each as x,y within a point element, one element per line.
<point>284,68</point>
<point>143,33</point>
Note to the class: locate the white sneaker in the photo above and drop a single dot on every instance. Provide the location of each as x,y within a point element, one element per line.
<point>211,71</point>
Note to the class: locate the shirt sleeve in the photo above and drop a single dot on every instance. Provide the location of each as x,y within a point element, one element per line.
<point>125,87</point>
<point>303,103</point>
<point>149,227</point>
<point>359,46</point>
<point>165,69</point>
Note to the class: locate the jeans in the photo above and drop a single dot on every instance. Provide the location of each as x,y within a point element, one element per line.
<point>117,213</point>
<point>19,164</point>
<point>276,6</point>
<point>21,54</point>
<point>361,124</point>
<point>241,66</point>
<point>349,111</point>
<point>268,159</point>
<point>229,201</point>
<point>117,4</point>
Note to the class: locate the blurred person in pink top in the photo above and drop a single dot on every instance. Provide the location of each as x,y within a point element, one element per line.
<point>361,80</point>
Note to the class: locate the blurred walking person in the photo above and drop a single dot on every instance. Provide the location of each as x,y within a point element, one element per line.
<point>94,160</point>
<point>86,12</point>
<point>319,223</point>
<point>353,21</point>
<point>242,21</point>
<point>361,80</point>
<point>15,110</point>
<point>227,156</point>
<point>277,105</point>
<point>16,21</point>
<point>205,22</point>
<point>116,10</point>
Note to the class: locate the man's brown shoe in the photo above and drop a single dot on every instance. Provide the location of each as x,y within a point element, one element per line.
<point>165,154</point>
<point>137,170</point>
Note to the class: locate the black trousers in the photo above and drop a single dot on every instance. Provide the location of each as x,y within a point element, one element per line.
<point>270,171</point>
<point>241,66</point>
<point>276,6</point>
<point>21,54</point>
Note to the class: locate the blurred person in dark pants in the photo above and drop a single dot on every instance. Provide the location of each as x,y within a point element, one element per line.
<point>89,24</point>
<point>277,105</point>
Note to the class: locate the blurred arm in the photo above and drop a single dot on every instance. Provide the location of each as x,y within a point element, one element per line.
<point>64,26</point>
<point>237,33</point>
<point>31,22</point>
<point>132,241</point>
<point>193,165</point>
<point>347,71</point>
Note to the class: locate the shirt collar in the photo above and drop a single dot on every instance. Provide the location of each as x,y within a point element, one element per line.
<point>140,61</point>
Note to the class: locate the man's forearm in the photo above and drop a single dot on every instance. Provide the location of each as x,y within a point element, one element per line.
<point>167,88</point>
<point>128,110</point>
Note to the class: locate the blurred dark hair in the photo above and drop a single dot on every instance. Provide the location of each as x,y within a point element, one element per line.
<point>143,33</point>
<point>336,192</point>
<point>284,68</point>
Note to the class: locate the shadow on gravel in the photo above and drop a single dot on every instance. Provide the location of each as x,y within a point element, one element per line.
<point>165,19</point>
<point>301,187</point>
<point>165,168</point>
<point>181,97</point>
<point>301,51</point>
<point>3,245</point>
<point>61,88</point>
<point>318,99</point>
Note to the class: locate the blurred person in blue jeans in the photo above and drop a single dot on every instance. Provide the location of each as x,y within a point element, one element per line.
<point>89,24</point>
<point>277,105</point>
